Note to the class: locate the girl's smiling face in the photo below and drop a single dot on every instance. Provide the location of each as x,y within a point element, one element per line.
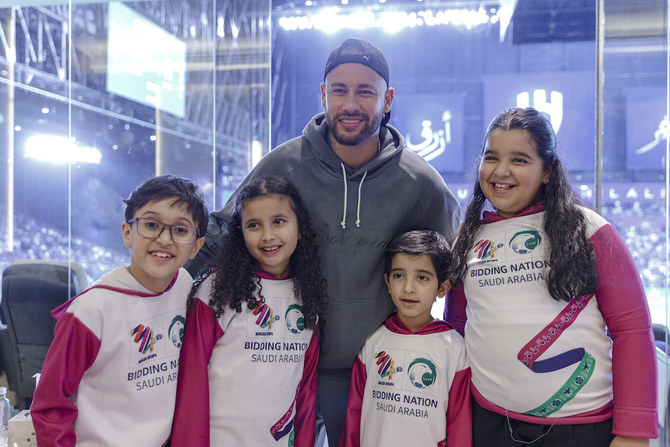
<point>271,232</point>
<point>511,172</point>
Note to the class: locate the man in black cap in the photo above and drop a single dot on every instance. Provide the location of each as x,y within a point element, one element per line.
<point>362,188</point>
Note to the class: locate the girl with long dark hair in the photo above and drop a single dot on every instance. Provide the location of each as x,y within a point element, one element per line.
<point>541,280</point>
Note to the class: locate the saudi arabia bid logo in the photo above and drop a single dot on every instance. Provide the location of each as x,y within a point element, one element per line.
<point>265,315</point>
<point>295,320</point>
<point>386,365</point>
<point>145,337</point>
<point>486,249</point>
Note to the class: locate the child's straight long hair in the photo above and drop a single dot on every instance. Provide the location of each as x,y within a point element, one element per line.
<point>572,259</point>
<point>236,279</point>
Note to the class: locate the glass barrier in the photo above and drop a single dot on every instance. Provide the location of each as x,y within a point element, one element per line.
<point>635,155</point>
<point>96,97</point>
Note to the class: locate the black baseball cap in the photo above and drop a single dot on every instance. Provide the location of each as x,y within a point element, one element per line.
<point>358,51</point>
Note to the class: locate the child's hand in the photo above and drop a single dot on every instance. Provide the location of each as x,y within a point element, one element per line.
<point>625,441</point>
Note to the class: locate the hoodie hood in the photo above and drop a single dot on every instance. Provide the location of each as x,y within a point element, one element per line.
<point>391,143</point>
<point>316,132</point>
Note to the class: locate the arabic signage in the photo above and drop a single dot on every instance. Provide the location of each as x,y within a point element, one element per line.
<point>647,127</point>
<point>568,98</point>
<point>433,127</point>
<point>643,193</point>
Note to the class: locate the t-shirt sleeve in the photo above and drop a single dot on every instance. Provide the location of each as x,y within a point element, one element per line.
<point>459,411</point>
<point>191,421</point>
<point>73,350</point>
<point>454,309</point>
<point>624,307</point>
<point>305,418</point>
<point>351,434</point>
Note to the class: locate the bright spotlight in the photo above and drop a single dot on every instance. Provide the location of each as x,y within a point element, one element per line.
<point>256,152</point>
<point>220,31</point>
<point>332,19</point>
<point>59,150</point>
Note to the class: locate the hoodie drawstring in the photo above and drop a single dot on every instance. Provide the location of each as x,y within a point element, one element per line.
<point>358,208</point>
<point>343,224</point>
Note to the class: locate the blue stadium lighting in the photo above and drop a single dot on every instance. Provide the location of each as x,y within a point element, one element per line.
<point>59,150</point>
<point>333,19</point>
<point>220,31</point>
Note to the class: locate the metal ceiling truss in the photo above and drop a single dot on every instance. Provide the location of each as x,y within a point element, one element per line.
<point>227,75</point>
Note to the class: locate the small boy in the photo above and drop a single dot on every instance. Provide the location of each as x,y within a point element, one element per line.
<point>410,384</point>
<point>109,378</point>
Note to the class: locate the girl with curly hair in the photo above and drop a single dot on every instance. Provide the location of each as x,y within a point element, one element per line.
<point>247,373</point>
<point>540,281</point>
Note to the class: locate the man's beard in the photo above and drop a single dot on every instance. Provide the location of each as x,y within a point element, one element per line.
<point>370,129</point>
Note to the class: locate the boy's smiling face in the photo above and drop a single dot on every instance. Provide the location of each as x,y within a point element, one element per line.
<point>154,261</point>
<point>413,285</point>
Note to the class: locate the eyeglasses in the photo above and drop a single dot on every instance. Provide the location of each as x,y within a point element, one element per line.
<point>151,228</point>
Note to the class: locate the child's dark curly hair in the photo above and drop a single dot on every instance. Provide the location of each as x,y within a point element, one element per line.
<point>236,279</point>
<point>573,269</point>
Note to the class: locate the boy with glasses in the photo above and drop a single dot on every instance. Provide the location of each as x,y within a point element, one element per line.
<point>109,377</point>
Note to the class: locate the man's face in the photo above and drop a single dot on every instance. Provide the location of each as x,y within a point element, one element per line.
<point>355,98</point>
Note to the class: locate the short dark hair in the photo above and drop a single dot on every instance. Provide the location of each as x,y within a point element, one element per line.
<point>421,242</point>
<point>162,187</point>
